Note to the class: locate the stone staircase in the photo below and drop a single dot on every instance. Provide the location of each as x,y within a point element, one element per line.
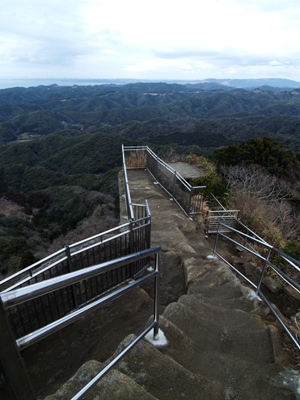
<point>219,347</point>
<point>221,343</point>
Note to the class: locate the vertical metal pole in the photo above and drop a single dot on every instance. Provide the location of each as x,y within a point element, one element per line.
<point>263,271</point>
<point>148,225</point>
<point>156,296</point>
<point>69,261</point>
<point>191,194</point>
<point>155,169</point>
<point>174,185</point>
<point>11,362</point>
<point>131,238</point>
<point>217,238</point>
<point>131,248</point>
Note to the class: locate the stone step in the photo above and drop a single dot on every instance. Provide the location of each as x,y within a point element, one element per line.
<point>247,304</point>
<point>243,375</point>
<point>202,276</point>
<point>180,370</point>
<point>114,385</point>
<point>217,288</point>
<point>232,332</point>
<point>165,378</point>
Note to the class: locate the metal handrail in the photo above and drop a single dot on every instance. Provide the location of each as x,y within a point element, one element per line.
<point>129,207</point>
<point>224,211</point>
<point>176,178</point>
<point>20,295</point>
<point>170,169</point>
<point>267,263</point>
<point>53,258</point>
<point>11,361</point>
<point>250,231</point>
<point>111,364</point>
<point>132,237</point>
<point>34,270</point>
<point>31,267</point>
<point>40,266</point>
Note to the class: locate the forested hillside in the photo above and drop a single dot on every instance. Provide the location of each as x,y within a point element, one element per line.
<point>61,150</point>
<point>54,191</point>
<point>156,113</point>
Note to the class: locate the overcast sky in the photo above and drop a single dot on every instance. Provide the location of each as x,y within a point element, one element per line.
<point>157,39</point>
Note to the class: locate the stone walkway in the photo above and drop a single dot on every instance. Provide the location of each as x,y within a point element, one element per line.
<point>220,343</point>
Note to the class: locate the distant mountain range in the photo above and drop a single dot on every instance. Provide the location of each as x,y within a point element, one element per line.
<point>60,146</point>
<point>204,114</point>
<point>274,84</point>
<point>253,83</point>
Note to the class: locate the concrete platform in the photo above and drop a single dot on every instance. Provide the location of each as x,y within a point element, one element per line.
<point>186,170</point>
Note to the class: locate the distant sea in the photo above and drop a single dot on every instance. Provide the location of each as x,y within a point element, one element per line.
<point>10,83</point>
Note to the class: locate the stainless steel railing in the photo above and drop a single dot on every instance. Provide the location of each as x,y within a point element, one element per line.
<point>218,213</point>
<point>182,192</point>
<point>128,238</point>
<point>187,197</point>
<point>56,263</point>
<point>139,217</point>
<point>9,346</point>
<point>129,206</point>
<point>57,290</point>
<point>269,261</point>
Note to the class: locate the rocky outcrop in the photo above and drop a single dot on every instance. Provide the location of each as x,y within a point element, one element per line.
<point>221,343</point>
<point>218,347</point>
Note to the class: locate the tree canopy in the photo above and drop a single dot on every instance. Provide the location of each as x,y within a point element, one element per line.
<point>263,151</point>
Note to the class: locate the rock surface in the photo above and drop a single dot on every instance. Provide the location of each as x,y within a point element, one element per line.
<point>220,345</point>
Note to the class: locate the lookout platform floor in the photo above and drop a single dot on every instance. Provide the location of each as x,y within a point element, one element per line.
<point>186,170</point>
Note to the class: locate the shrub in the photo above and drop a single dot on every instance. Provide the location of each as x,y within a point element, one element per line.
<point>258,216</point>
<point>136,159</point>
<point>214,182</point>
<point>26,259</point>
<point>293,249</point>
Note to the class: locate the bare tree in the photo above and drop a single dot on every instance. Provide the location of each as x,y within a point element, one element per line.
<point>263,201</point>
<point>293,174</point>
<point>253,180</point>
<point>288,220</point>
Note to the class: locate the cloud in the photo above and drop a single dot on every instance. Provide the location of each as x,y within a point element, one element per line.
<point>114,38</point>
<point>270,5</point>
<point>275,63</point>
<point>45,35</point>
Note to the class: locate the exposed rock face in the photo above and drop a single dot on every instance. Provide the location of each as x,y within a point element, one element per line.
<point>54,360</point>
<point>218,348</point>
<point>115,384</point>
<point>220,343</point>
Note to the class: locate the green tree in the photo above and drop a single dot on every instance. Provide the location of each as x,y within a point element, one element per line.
<point>264,151</point>
<point>27,259</point>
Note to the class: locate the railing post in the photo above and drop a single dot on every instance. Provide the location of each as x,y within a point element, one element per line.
<point>69,261</point>
<point>191,194</point>
<point>174,185</point>
<point>155,168</point>
<point>263,271</point>
<point>156,297</point>
<point>11,363</point>
<point>148,225</point>
<point>131,248</point>
<point>217,238</point>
